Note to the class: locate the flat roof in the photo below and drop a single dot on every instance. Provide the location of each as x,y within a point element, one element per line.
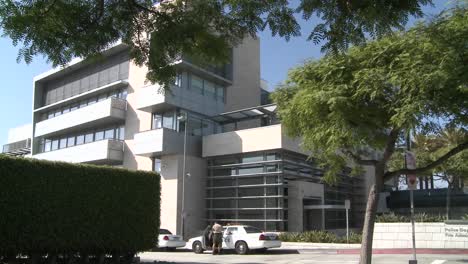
<point>246,114</point>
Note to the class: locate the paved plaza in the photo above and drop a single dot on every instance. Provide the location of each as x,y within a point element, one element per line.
<point>294,256</point>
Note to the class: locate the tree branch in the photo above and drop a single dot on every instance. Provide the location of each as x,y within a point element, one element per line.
<point>144,8</point>
<point>390,174</point>
<point>358,159</point>
<point>390,146</point>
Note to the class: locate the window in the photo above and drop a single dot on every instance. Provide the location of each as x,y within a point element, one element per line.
<point>92,101</point>
<point>102,97</point>
<point>71,141</point>
<point>251,192</point>
<point>168,120</point>
<point>89,137</point>
<point>197,83</point>
<point>220,93</point>
<point>58,112</point>
<point>55,144</point>
<point>47,145</point>
<point>209,88</point>
<point>99,135</point>
<point>109,134</point>
<point>251,170</point>
<point>83,104</point>
<point>157,165</point>
<point>231,230</point>
<point>66,110</point>
<point>63,143</point>
<point>50,115</point>
<point>79,139</point>
<point>74,107</point>
<point>252,158</point>
<point>124,94</point>
<point>178,80</point>
<point>157,121</point>
<point>164,232</point>
<point>114,94</point>
<point>251,203</point>
<point>122,133</point>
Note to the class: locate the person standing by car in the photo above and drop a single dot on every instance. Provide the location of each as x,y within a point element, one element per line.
<point>208,235</point>
<point>217,238</point>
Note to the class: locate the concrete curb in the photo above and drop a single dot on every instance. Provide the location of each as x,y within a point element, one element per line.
<point>407,251</point>
<point>301,245</point>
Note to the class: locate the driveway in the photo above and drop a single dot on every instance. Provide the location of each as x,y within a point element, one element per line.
<point>292,256</point>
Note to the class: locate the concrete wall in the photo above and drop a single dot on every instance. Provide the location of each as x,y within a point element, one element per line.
<point>428,235</point>
<point>171,194</point>
<point>245,89</point>
<point>297,190</point>
<point>135,121</point>
<point>248,140</point>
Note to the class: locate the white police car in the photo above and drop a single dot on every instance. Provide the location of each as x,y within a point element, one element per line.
<point>168,241</point>
<point>241,238</point>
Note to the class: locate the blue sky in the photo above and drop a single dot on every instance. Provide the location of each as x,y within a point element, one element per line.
<point>276,58</point>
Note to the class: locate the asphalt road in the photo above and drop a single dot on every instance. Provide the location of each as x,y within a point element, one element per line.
<point>292,256</point>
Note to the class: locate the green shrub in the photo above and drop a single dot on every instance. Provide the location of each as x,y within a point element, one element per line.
<point>318,236</point>
<point>54,207</point>
<point>420,217</point>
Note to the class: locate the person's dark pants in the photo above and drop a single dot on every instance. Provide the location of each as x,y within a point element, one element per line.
<point>217,242</point>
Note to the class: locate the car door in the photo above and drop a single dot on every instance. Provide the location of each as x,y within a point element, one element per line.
<point>230,236</point>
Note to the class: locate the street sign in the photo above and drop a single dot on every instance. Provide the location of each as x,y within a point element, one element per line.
<point>411,179</point>
<point>410,160</point>
<point>347,204</point>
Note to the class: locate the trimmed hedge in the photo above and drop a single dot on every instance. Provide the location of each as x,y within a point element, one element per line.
<point>420,217</point>
<point>319,236</point>
<point>61,208</point>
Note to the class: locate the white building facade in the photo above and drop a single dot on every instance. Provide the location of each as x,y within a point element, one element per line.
<point>214,139</point>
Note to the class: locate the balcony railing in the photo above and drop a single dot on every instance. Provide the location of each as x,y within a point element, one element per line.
<point>101,113</point>
<point>18,148</point>
<point>99,152</point>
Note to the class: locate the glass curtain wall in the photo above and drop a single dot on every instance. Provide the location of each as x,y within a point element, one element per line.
<point>247,189</point>
<point>253,189</point>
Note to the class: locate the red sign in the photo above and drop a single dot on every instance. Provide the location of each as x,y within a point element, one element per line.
<point>411,179</point>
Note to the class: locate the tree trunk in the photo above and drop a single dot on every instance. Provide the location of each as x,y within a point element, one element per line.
<point>371,211</point>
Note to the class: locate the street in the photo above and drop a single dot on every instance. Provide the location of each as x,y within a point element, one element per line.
<point>293,256</point>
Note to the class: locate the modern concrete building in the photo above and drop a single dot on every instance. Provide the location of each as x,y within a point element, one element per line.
<point>214,138</point>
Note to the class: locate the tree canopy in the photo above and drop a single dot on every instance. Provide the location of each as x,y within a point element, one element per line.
<point>356,107</point>
<point>363,100</point>
<point>158,32</point>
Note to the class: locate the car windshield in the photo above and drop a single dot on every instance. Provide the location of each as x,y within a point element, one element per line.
<point>251,229</point>
<point>164,232</point>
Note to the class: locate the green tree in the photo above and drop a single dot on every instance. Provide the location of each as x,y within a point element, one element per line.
<point>158,32</point>
<point>357,106</point>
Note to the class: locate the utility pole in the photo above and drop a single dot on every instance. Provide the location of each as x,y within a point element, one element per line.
<point>410,163</point>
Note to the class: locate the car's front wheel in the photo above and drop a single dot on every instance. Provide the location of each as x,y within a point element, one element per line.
<point>242,248</point>
<point>197,247</point>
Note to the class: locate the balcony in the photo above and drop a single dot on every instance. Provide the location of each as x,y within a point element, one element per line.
<point>19,148</point>
<point>99,114</point>
<point>150,99</point>
<point>250,140</point>
<point>165,141</point>
<point>107,152</point>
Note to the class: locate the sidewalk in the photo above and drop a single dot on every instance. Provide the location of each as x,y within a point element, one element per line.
<point>354,249</point>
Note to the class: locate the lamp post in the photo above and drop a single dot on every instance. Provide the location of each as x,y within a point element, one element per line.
<point>184,118</point>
